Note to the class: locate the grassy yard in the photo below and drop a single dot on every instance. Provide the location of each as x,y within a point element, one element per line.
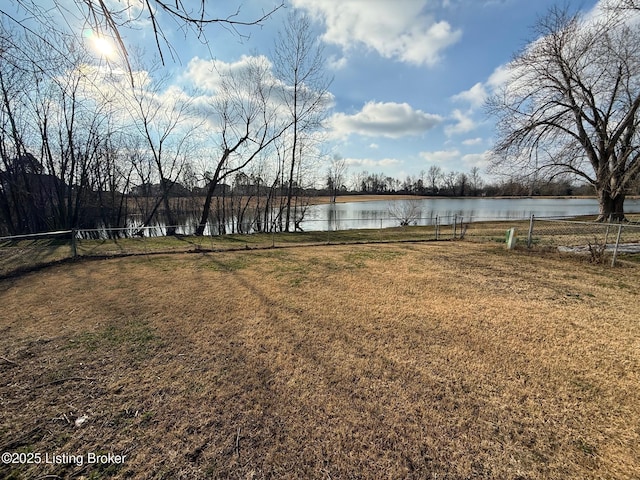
<point>449,360</point>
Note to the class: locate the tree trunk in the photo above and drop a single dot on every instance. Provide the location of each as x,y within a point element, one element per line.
<point>204,218</point>
<point>610,208</point>
<point>292,171</point>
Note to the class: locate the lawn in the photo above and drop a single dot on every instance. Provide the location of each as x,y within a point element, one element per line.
<point>448,360</point>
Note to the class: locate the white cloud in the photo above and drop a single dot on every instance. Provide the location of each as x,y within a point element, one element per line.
<point>368,162</point>
<point>480,160</point>
<point>336,63</point>
<point>470,142</point>
<point>400,29</point>
<point>207,74</point>
<point>392,120</point>
<point>499,77</point>
<point>475,96</point>
<point>440,156</point>
<point>374,146</point>
<point>464,124</point>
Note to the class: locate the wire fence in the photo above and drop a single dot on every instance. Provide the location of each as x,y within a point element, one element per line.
<point>599,240</point>
<point>26,252</point>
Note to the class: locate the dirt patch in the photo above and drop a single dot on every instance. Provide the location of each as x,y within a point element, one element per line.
<point>449,360</point>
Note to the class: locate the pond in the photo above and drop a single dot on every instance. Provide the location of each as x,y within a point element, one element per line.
<point>380,214</point>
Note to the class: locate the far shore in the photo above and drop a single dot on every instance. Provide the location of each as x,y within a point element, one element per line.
<point>322,200</point>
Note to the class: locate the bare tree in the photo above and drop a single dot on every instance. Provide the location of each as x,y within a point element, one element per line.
<point>434,177</point>
<point>407,212</point>
<point>299,65</point>
<point>475,180</point>
<point>450,180</point>
<point>462,182</point>
<point>336,176</point>
<point>248,124</point>
<point>571,106</point>
<point>166,125</point>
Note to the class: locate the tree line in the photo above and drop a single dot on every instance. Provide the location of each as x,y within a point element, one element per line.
<point>437,182</point>
<point>101,145</point>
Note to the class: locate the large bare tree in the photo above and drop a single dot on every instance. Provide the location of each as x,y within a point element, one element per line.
<point>570,105</point>
<point>622,5</point>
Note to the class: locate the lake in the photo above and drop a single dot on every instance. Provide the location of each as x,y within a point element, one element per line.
<point>376,214</point>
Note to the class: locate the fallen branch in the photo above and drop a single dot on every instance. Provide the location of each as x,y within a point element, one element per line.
<point>7,360</point>
<point>238,442</point>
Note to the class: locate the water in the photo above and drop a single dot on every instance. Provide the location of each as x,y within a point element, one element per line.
<point>376,214</point>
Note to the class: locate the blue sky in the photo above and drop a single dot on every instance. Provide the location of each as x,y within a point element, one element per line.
<point>409,76</point>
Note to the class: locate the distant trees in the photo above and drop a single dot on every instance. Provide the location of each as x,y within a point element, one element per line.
<point>471,184</point>
<point>571,105</point>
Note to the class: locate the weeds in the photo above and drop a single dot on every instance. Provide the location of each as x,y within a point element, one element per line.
<point>597,252</point>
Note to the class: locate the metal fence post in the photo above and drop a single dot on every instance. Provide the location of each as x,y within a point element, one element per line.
<point>437,228</point>
<point>530,236</point>
<point>455,224</point>
<point>615,249</point>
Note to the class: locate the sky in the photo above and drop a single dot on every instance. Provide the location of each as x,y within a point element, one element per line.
<point>409,77</point>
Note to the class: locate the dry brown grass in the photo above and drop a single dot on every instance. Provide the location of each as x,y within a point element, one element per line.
<point>426,361</point>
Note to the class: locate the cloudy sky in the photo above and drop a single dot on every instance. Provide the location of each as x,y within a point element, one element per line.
<point>409,76</point>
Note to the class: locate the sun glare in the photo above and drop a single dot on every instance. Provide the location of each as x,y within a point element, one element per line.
<point>101,45</point>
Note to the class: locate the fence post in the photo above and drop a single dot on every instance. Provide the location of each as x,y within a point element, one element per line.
<point>615,249</point>
<point>530,236</point>
<point>74,247</point>
<point>437,228</point>
<point>455,224</point>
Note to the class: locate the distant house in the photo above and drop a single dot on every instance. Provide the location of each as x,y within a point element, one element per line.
<point>28,196</point>
<point>24,174</point>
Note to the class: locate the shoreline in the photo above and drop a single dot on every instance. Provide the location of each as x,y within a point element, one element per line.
<point>325,199</point>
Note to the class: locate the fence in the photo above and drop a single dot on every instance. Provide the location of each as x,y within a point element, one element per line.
<point>25,252</point>
<point>30,251</point>
<point>597,239</point>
